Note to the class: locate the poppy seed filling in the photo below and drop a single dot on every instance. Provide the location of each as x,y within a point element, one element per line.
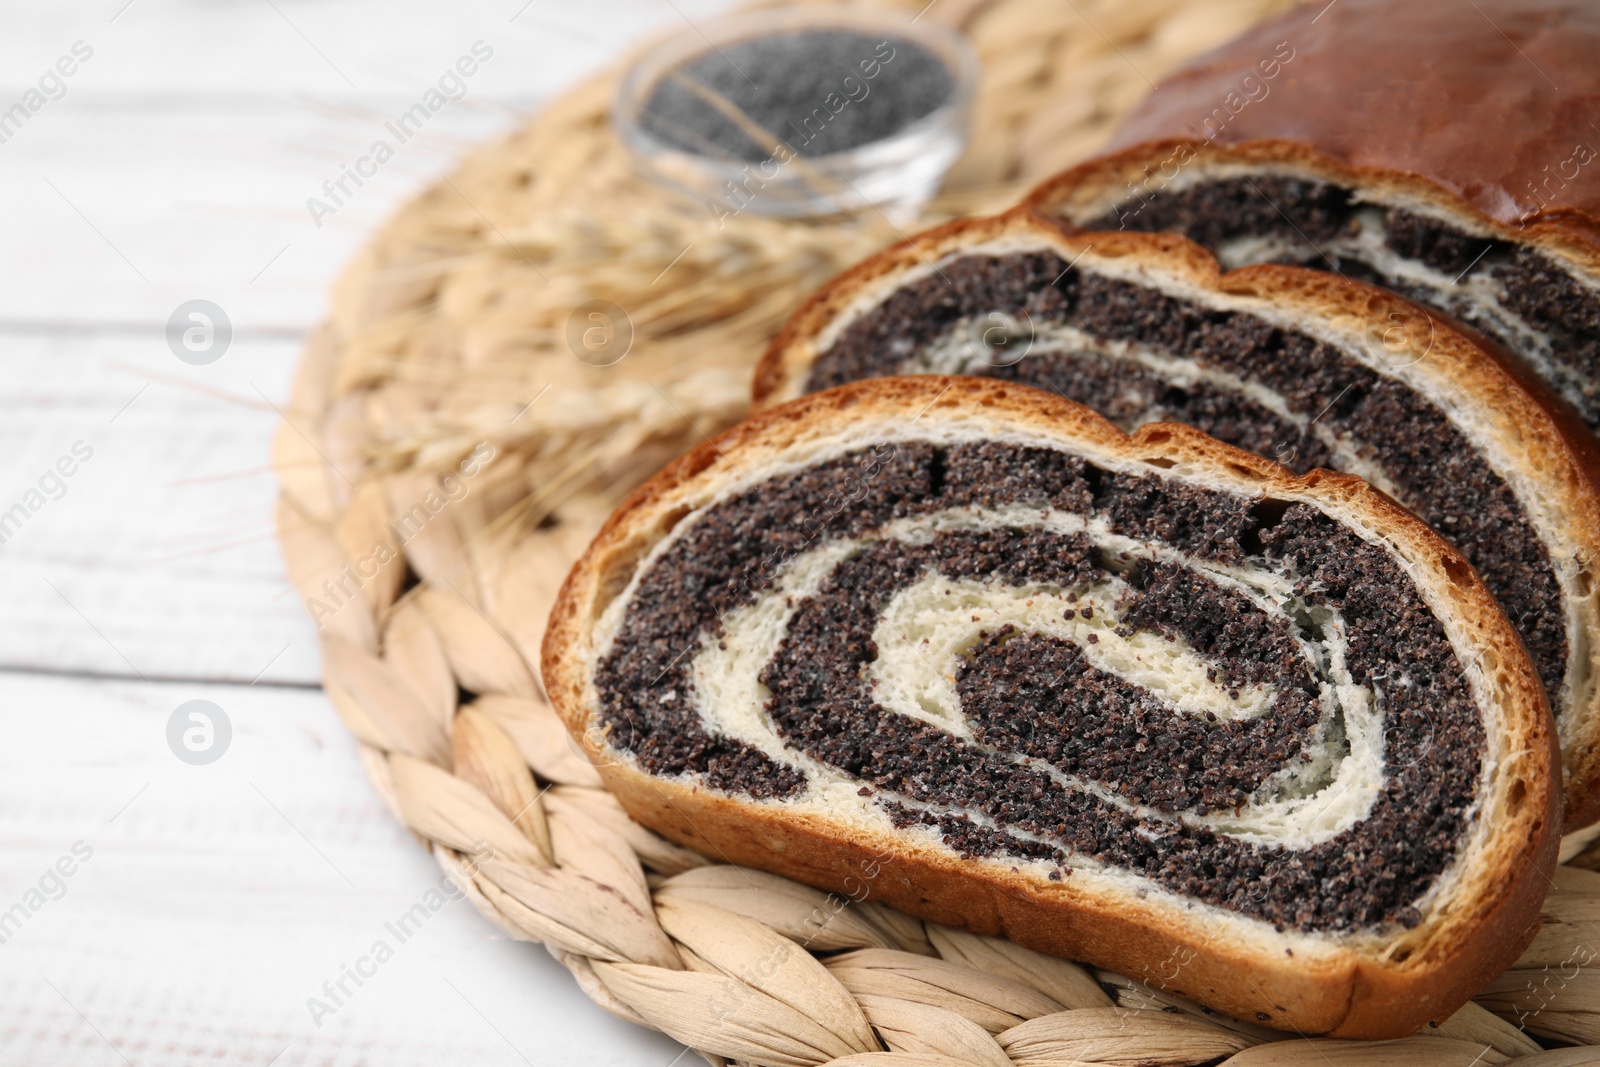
<point>1323,407</point>
<point>1069,747</point>
<point>1530,304</point>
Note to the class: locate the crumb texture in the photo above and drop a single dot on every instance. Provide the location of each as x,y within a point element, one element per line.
<point>1518,295</point>
<point>1022,655</point>
<point>1138,355</point>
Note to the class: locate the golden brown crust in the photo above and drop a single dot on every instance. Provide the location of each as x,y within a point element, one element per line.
<point>1339,990</point>
<point>1553,449</point>
<point>1090,189</point>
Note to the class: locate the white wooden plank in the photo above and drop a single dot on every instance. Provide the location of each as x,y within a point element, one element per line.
<point>179,162</point>
<point>207,202</point>
<point>188,50</point>
<point>219,898</point>
<point>158,557</point>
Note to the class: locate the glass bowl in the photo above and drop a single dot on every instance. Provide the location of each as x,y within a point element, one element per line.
<point>895,175</point>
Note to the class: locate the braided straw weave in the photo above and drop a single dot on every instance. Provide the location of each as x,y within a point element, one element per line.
<point>446,457</point>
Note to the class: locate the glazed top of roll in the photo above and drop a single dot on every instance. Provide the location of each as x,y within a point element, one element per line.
<point>1495,100</point>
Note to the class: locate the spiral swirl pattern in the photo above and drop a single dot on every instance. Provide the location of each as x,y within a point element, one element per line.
<point>1032,660</point>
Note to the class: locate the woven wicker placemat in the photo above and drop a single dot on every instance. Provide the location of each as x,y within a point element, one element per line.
<point>447,454</point>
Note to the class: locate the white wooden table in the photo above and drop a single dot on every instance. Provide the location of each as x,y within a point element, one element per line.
<point>174,164</point>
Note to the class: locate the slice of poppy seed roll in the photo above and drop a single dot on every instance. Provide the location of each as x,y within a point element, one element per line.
<point>1304,367</point>
<point>1151,702</point>
<point>1534,288</point>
